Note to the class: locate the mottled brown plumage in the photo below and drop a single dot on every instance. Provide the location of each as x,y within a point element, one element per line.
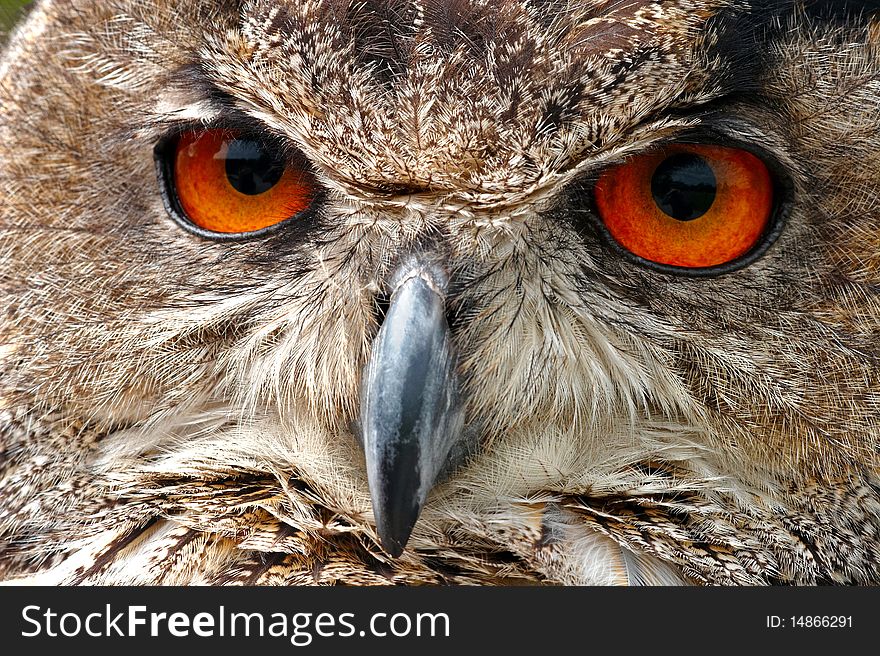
<point>178,410</point>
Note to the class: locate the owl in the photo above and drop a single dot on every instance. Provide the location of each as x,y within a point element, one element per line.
<point>484,292</point>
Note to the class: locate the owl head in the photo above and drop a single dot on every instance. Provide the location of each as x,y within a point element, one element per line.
<point>571,291</point>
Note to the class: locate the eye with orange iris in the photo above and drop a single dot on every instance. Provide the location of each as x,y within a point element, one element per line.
<point>687,205</point>
<point>226,183</point>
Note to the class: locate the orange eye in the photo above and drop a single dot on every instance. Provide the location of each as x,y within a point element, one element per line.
<point>688,205</point>
<point>227,183</point>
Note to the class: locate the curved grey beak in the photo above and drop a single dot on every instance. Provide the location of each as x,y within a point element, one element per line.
<point>410,411</point>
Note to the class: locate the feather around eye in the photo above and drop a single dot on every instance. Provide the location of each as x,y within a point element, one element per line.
<point>689,206</point>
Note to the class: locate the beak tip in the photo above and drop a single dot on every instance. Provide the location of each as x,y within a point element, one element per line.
<point>395,527</point>
<point>393,549</point>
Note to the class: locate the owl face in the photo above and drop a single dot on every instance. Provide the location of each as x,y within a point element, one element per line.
<point>454,273</point>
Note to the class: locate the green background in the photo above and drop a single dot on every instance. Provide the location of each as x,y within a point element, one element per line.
<point>9,11</point>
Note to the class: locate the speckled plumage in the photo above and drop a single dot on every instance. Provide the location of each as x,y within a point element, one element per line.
<point>175,410</point>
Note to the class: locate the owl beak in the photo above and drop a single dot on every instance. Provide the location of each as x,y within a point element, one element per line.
<point>410,411</point>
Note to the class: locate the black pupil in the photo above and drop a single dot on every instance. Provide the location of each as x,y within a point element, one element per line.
<point>250,168</point>
<point>684,187</point>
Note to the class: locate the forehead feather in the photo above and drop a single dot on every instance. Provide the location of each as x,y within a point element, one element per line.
<point>462,94</point>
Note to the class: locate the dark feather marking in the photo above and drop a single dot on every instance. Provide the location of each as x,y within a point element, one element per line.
<point>112,551</point>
